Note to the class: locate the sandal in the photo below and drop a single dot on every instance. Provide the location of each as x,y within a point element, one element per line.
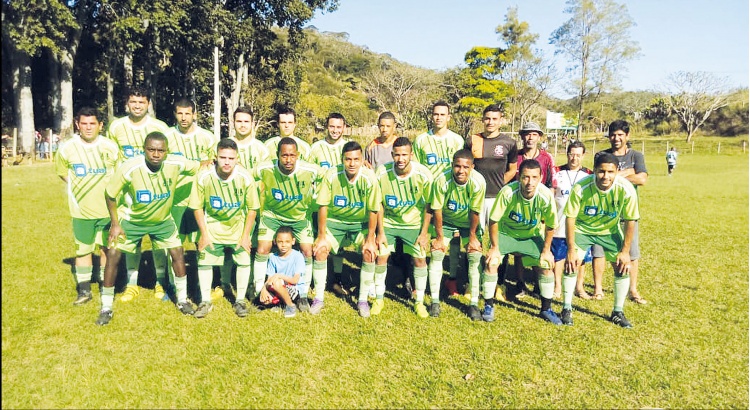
<point>637,299</point>
<point>598,296</point>
<point>583,295</point>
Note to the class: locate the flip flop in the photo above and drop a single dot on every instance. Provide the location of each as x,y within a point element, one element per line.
<point>598,296</point>
<point>583,295</point>
<point>638,300</point>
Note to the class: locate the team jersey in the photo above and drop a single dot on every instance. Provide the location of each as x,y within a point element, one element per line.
<point>562,183</point>
<point>88,168</point>
<point>671,157</point>
<point>130,137</point>
<point>196,146</point>
<point>286,197</point>
<point>522,218</point>
<point>457,200</point>
<point>302,147</point>
<point>251,152</point>
<point>150,194</point>
<point>492,157</point>
<point>327,155</point>
<point>404,197</point>
<point>225,202</point>
<point>349,201</point>
<point>436,152</point>
<point>599,212</point>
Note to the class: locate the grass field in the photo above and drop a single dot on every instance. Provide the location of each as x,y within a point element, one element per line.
<point>689,347</point>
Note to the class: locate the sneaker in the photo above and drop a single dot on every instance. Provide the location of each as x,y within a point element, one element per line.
<point>240,308</point>
<point>421,310</point>
<point>104,317</point>
<point>474,313</point>
<point>131,291</point>
<point>303,305</point>
<point>435,310</point>
<point>159,292</point>
<point>500,294</point>
<point>339,290</point>
<point>488,313</point>
<point>364,308</point>
<point>290,311</point>
<point>451,288</point>
<point>550,316</point>
<point>316,306</point>
<point>84,296</point>
<point>566,316</point>
<point>521,294</point>
<point>204,309</point>
<point>619,319</point>
<point>377,306</point>
<point>186,308</point>
<point>217,293</point>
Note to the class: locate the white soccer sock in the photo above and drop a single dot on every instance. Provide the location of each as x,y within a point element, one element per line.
<point>108,297</point>
<point>306,281</point>
<point>260,265</point>
<point>180,285</point>
<point>474,276</point>
<point>420,282</point>
<point>380,272</point>
<point>366,277</point>
<point>568,288</point>
<point>320,271</point>
<point>436,274</point>
<point>243,281</point>
<point>205,276</point>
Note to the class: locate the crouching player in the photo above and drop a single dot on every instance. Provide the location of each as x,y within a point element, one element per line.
<point>150,181</point>
<point>523,220</point>
<point>284,272</point>
<point>225,202</point>
<point>594,209</point>
<point>349,199</point>
<point>457,200</point>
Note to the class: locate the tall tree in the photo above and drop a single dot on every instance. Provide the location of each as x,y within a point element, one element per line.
<point>694,96</point>
<point>596,38</point>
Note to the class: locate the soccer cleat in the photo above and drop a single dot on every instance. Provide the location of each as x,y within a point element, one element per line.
<point>339,290</point>
<point>159,292</point>
<point>204,309</point>
<point>619,319</point>
<point>377,306</point>
<point>451,288</point>
<point>303,305</point>
<point>521,293</point>
<point>364,308</point>
<point>474,313</point>
<point>435,310</point>
<point>217,293</point>
<point>186,308</point>
<point>421,310</point>
<point>290,311</point>
<point>240,308</point>
<point>131,291</point>
<point>550,316</point>
<point>104,317</point>
<point>566,316</point>
<point>316,306</point>
<point>84,296</point>
<point>488,313</point>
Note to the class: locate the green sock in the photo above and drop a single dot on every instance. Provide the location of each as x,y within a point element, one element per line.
<point>320,271</point>
<point>226,272</point>
<point>180,285</point>
<point>568,288</point>
<point>455,255</point>
<point>380,272</point>
<point>260,265</point>
<point>420,282</point>
<point>490,283</point>
<point>205,276</point>
<point>83,273</point>
<point>621,287</point>
<point>474,275</point>
<point>108,297</point>
<point>436,274</point>
<point>366,277</point>
<point>243,281</point>
<point>338,264</point>
<point>546,285</point>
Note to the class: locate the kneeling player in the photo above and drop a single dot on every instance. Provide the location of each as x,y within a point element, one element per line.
<point>284,272</point>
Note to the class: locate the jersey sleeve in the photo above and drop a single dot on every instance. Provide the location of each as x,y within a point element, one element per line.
<point>513,153</point>
<point>573,206</point>
<point>639,163</point>
<point>196,196</point>
<point>437,200</point>
<point>549,214</point>
<point>324,188</point>
<point>252,196</point>
<point>375,198</point>
<point>61,164</point>
<point>116,183</point>
<point>476,198</point>
<point>630,211</point>
<point>299,264</point>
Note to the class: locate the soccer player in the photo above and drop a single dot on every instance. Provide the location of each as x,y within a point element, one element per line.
<point>378,152</point>
<point>523,221</point>
<point>435,148</point>
<point>457,200</point>
<point>406,187</point>
<point>287,122</point>
<point>86,162</point>
<point>284,273</point>
<point>287,185</point>
<point>632,167</point>
<point>671,160</point>
<point>349,198</point>
<point>225,202</point>
<point>592,215</point>
<point>130,133</point>
<point>562,183</point>
<point>151,181</point>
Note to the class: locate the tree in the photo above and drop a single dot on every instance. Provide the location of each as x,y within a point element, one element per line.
<point>597,41</point>
<point>694,96</point>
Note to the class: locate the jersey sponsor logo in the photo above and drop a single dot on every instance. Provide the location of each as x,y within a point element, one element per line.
<point>455,206</point>
<point>146,197</point>
<point>279,196</point>
<point>433,159</point>
<point>128,151</point>
<point>594,211</point>
<point>499,151</point>
<point>341,201</point>
<point>519,218</point>
<point>216,202</point>
<point>392,202</point>
<point>325,164</point>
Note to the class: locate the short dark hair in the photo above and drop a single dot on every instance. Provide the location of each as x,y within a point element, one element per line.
<point>335,115</point>
<point>155,135</point>
<point>242,110</point>
<point>606,158</point>
<point>441,103</point>
<point>286,141</point>
<point>184,102</point>
<point>619,125</point>
<point>463,153</point>
<point>88,112</point>
<point>139,91</point>
<point>576,144</point>
<point>401,142</point>
<point>225,143</point>
<point>350,146</point>
<point>387,116</point>
<point>286,110</point>
<point>284,229</point>
<point>529,164</point>
<point>493,108</point>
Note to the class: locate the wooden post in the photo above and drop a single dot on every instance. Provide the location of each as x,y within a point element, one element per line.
<point>15,143</point>
<point>692,147</point>
<point>743,147</point>
<point>667,145</point>
<point>594,149</point>
<point>718,149</point>
<point>643,147</point>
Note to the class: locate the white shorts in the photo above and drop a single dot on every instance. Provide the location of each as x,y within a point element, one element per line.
<point>484,216</point>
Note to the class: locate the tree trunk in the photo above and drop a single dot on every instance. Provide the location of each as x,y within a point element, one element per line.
<point>53,69</point>
<point>217,95</point>
<point>127,64</point>
<point>234,100</point>
<point>22,99</point>
<point>110,98</point>
<point>67,60</point>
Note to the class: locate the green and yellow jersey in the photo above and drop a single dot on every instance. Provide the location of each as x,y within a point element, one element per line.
<point>286,198</point>
<point>349,201</point>
<point>251,152</point>
<point>599,212</point>
<point>522,218</point>
<point>436,152</point>
<point>456,201</point>
<point>196,146</point>
<point>130,137</point>
<point>302,147</point>
<point>404,197</point>
<point>327,155</point>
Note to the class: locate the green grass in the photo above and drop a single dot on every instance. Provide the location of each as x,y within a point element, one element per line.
<point>689,347</point>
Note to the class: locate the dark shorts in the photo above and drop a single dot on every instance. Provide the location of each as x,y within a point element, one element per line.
<point>560,250</point>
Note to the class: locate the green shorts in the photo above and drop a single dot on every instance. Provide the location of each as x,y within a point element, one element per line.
<point>449,232</point>
<point>302,230</point>
<point>341,234</point>
<point>187,227</point>
<point>408,236</point>
<point>530,249</point>
<point>612,244</point>
<point>88,233</point>
<point>163,236</point>
<point>215,256</point>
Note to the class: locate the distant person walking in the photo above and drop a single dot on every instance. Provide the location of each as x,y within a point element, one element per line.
<point>671,160</point>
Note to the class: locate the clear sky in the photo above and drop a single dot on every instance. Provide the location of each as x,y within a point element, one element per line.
<point>674,35</point>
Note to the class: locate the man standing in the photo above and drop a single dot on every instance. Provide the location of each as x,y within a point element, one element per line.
<point>671,160</point>
<point>349,198</point>
<point>523,221</point>
<point>86,162</point>
<point>632,167</point>
<point>151,181</point>
<point>593,213</point>
<point>287,122</point>
<point>378,151</point>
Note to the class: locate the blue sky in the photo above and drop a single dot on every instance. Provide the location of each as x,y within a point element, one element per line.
<point>674,35</point>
